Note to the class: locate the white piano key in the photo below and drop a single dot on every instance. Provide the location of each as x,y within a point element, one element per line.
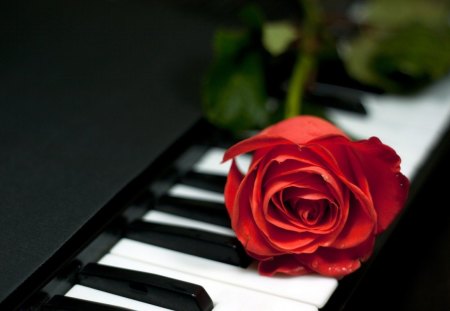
<point>224,296</point>
<point>169,219</point>
<point>311,289</point>
<point>91,294</point>
<point>211,162</point>
<point>184,191</point>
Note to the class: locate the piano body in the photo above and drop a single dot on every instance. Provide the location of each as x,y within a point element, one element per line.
<point>101,133</point>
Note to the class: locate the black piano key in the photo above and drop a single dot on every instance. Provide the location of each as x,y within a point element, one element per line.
<point>146,287</point>
<point>206,211</point>
<point>196,242</point>
<point>337,97</point>
<point>64,303</point>
<point>204,181</point>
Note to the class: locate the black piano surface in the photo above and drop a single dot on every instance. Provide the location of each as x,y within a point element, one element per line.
<point>91,93</point>
<point>96,94</point>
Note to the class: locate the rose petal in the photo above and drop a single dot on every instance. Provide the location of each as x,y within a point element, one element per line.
<point>338,153</point>
<point>282,236</point>
<point>287,232</point>
<point>388,186</point>
<point>314,159</point>
<point>298,130</point>
<point>284,264</point>
<point>244,224</point>
<point>234,179</point>
<point>335,262</point>
<point>253,143</point>
<point>326,261</point>
<point>358,227</point>
<point>302,129</point>
<point>301,199</point>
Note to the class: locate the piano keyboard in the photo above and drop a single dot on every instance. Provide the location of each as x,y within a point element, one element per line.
<point>232,286</point>
<point>203,254</point>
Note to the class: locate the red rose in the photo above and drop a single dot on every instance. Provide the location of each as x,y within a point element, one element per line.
<point>312,199</point>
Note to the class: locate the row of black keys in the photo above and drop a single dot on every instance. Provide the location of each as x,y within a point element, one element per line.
<point>156,289</point>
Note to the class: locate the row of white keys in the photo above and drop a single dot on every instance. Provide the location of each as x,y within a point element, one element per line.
<point>311,289</point>
<point>225,297</point>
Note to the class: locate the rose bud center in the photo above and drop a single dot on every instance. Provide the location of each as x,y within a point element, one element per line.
<point>311,212</point>
<point>305,208</point>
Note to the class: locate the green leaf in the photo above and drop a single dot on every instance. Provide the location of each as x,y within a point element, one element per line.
<point>401,61</point>
<point>252,16</point>
<point>227,44</point>
<point>404,46</point>
<point>278,36</point>
<point>390,14</point>
<point>234,95</point>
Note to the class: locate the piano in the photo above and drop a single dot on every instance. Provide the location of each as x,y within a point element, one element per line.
<point>110,179</point>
